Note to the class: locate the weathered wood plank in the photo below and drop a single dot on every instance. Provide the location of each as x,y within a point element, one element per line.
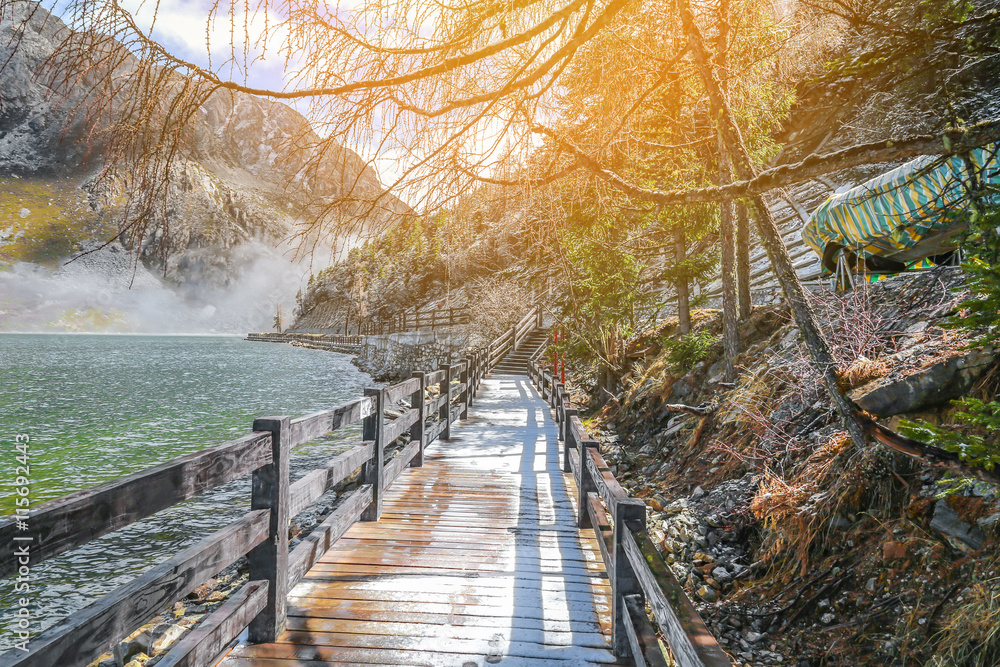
<point>434,404</point>
<point>86,634</point>
<point>73,520</point>
<point>403,389</point>
<point>437,376</point>
<point>310,427</point>
<point>374,430</point>
<point>400,425</point>
<point>269,560</point>
<point>609,488</point>
<point>203,645</point>
<point>642,642</point>
<point>692,643</point>
<point>308,489</point>
<point>395,467</point>
<point>417,400</point>
<point>628,512</point>
<point>319,541</point>
<point>434,430</point>
<point>602,529</point>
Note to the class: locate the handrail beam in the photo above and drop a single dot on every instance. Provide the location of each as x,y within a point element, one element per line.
<point>71,521</point>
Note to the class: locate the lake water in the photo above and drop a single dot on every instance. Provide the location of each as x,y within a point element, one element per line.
<point>98,407</point>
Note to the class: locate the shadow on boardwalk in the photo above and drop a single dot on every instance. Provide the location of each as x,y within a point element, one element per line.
<point>476,560</point>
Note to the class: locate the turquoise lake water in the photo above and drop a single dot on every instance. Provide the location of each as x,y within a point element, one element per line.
<point>98,407</point>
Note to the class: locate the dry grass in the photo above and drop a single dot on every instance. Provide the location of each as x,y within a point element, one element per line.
<point>971,633</point>
<point>862,371</point>
<point>793,512</point>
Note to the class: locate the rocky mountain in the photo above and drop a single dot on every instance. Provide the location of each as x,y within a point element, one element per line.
<point>249,176</point>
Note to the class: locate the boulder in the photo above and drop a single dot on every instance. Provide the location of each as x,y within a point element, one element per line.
<point>937,383</point>
<point>963,536</point>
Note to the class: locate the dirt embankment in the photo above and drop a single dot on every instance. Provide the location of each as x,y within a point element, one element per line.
<point>798,546</point>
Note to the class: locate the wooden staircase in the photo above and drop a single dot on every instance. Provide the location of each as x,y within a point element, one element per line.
<point>516,361</point>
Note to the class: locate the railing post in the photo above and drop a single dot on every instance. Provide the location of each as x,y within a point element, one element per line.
<point>584,482</point>
<point>568,439</point>
<point>417,430</point>
<point>466,377</point>
<point>374,427</point>
<point>625,582</point>
<point>513,339</point>
<point>565,415</point>
<point>269,560</point>
<point>559,405</point>
<point>445,412</point>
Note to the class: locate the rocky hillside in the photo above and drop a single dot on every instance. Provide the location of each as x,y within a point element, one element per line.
<point>800,548</point>
<point>247,179</point>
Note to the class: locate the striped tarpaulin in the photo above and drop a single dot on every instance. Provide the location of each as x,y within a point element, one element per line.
<point>898,210</point>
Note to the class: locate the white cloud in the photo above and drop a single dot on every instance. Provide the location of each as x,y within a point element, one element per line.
<point>254,38</point>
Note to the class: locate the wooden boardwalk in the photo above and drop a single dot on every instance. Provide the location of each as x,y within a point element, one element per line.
<point>475,561</point>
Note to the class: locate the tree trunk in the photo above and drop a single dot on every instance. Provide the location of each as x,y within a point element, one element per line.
<point>730,317</point>
<point>781,263</point>
<point>683,296</point>
<point>743,260</point>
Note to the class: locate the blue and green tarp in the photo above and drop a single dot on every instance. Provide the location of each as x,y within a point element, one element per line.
<point>915,211</point>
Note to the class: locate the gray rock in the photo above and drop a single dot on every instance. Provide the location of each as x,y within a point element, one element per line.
<point>698,493</point>
<point>166,635</point>
<point>707,593</point>
<point>827,619</point>
<point>960,534</point>
<point>721,575</point>
<point>936,384</point>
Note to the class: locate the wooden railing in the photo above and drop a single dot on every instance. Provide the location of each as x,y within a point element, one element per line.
<point>416,321</point>
<point>261,534</point>
<point>638,573</point>
<point>287,337</point>
<point>512,339</point>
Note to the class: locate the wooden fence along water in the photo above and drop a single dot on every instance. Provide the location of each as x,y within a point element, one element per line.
<point>416,321</point>
<point>639,575</point>
<point>436,400</point>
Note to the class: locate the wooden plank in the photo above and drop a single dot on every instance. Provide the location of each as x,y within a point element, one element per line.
<point>642,642</point>
<point>692,643</point>
<point>434,404</point>
<point>433,431</point>
<point>599,522</point>
<point>400,425</point>
<point>86,634</point>
<point>68,522</point>
<point>206,642</point>
<point>269,560</point>
<point>626,513</point>
<point>396,466</point>
<point>592,637</point>
<point>374,427</point>
<point>404,389</point>
<point>308,489</point>
<point>326,534</point>
<point>437,376</point>
<point>498,646</point>
<point>609,488</point>
<point>310,427</point>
